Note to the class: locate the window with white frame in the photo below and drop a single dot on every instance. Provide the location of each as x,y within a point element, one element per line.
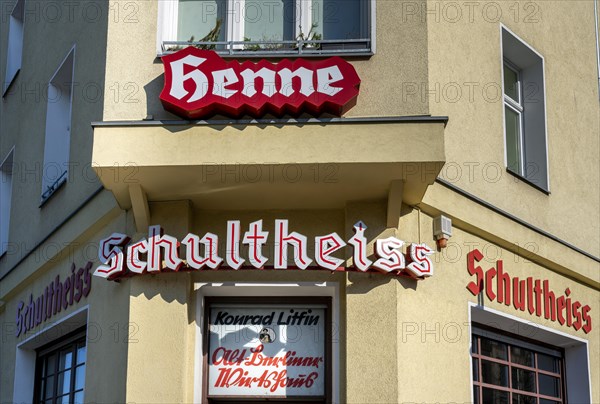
<point>6,179</point>
<point>58,127</point>
<point>15,44</point>
<point>524,111</point>
<point>278,26</point>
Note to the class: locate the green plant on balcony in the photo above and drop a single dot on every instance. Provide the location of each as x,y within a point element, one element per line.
<point>311,36</point>
<point>212,36</point>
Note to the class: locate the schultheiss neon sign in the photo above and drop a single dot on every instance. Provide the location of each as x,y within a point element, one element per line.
<point>160,252</point>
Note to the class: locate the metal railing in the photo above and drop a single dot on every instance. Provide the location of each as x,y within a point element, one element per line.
<point>299,47</point>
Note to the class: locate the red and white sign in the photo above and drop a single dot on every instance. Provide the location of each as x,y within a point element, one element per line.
<point>266,351</point>
<point>200,84</point>
<point>160,252</point>
<point>532,295</point>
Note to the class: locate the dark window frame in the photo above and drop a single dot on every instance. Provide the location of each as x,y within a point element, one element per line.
<point>290,300</point>
<point>70,341</point>
<point>511,340</point>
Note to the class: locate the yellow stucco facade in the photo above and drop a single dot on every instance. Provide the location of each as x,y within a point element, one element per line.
<point>426,138</point>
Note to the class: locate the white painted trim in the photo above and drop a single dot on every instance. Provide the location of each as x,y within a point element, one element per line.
<point>532,49</point>
<point>471,348</point>
<point>236,22</point>
<point>305,18</point>
<point>168,14</point>
<point>502,26</point>
<point>245,289</point>
<point>373,26</point>
<point>578,340</point>
<point>63,62</point>
<point>546,123</point>
<point>14,47</point>
<point>502,89</point>
<point>11,155</point>
<point>55,324</point>
<point>12,151</point>
<point>71,54</point>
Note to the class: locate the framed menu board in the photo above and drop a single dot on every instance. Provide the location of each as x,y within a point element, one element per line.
<point>272,349</point>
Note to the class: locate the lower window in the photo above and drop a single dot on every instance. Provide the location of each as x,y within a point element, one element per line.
<point>60,371</point>
<point>507,369</point>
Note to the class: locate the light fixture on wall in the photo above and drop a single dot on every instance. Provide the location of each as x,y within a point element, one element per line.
<point>442,230</point>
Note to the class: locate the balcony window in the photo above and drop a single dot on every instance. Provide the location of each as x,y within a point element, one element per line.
<point>258,27</point>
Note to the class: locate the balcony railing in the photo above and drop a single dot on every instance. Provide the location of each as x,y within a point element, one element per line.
<point>299,47</point>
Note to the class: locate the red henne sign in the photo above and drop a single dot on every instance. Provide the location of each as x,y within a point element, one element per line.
<point>200,84</point>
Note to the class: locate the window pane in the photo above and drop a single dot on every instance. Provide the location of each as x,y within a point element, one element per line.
<point>81,353</point>
<point>64,382</point>
<point>522,399</point>
<point>513,135</point>
<point>511,83</point>
<point>522,356</point>
<point>474,345</point>
<point>63,399</point>
<point>494,373</point>
<point>476,394</point>
<point>340,19</point>
<point>49,387</point>
<point>523,380</point>
<point>41,390</point>
<point>197,18</point>
<point>269,20</point>
<point>66,358</point>
<point>475,369</point>
<point>79,377</point>
<point>51,364</point>
<point>493,349</point>
<point>491,396</point>
<point>78,398</point>
<point>544,401</point>
<point>548,363</point>
<point>549,386</point>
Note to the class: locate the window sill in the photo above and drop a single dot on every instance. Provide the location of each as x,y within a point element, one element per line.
<point>58,186</point>
<point>529,182</point>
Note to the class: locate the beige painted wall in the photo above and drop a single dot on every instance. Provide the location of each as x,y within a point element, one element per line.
<point>109,327</point>
<point>389,367</point>
<point>50,30</point>
<point>380,351</point>
<point>563,33</point>
<point>402,340</point>
<point>433,332</point>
